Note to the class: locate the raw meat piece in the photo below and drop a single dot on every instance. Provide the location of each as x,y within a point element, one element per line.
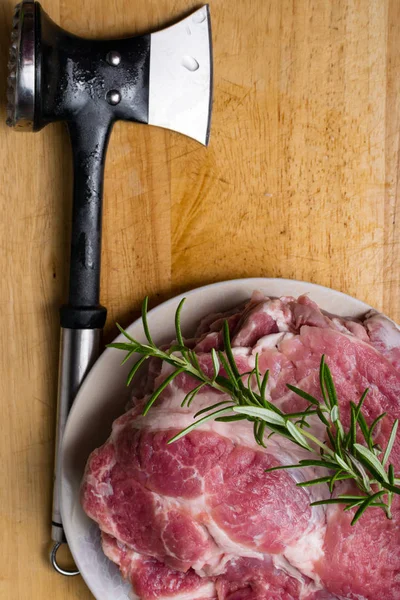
<point>254,579</point>
<point>384,336</point>
<point>362,561</point>
<point>153,580</point>
<point>200,518</point>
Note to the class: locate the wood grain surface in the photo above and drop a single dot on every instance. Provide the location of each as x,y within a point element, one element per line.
<point>300,180</point>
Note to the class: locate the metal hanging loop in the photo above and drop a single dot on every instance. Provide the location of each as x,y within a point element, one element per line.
<point>56,566</point>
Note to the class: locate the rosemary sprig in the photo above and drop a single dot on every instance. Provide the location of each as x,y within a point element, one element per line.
<point>339,452</point>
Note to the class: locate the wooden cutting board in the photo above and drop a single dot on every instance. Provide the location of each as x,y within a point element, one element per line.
<point>300,180</point>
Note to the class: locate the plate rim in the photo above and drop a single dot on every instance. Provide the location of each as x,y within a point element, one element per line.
<point>191,292</point>
<point>251,282</point>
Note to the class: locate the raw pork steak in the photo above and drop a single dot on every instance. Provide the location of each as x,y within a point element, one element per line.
<point>200,518</point>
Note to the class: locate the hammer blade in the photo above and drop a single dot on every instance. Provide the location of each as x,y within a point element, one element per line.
<point>181,76</point>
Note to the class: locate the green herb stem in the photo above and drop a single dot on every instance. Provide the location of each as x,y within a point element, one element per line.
<point>339,452</point>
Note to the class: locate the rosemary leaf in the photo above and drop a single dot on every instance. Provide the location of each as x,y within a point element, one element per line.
<point>257,374</point>
<point>304,413</point>
<point>261,431</point>
<point>201,421</point>
<point>191,395</point>
<point>339,475</point>
<point>194,360</point>
<point>129,354</point>
<point>353,505</point>
<point>125,333</point>
<point>179,337</point>
<point>330,435</point>
<point>212,407</point>
<point>232,418</point>
<point>121,346</point>
<point>391,441</point>
<point>361,402</point>
<point>229,353</point>
<point>302,394</point>
<point>135,369</point>
<point>372,461</point>
<point>330,388</point>
<point>306,463</point>
<point>364,429</point>
<point>263,388</point>
<point>366,482</point>
<point>352,497</point>
<point>342,463</point>
<point>351,437</point>
<point>391,474</point>
<point>297,435</point>
<point>216,363</point>
<point>322,382</point>
<point>262,413</point>
<point>255,432</point>
<point>252,397</point>
<point>160,389</point>
<point>311,482</point>
<point>375,423</point>
<point>144,321</point>
<point>363,507</point>
<point>376,476</point>
<point>229,387</point>
<point>331,501</point>
<point>227,367</point>
<point>327,464</point>
<point>335,413</point>
<point>339,438</point>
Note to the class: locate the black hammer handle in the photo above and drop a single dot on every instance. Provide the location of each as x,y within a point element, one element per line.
<point>83,318</point>
<point>89,140</point>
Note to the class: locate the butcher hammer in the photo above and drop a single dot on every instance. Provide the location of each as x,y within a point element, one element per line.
<point>162,78</point>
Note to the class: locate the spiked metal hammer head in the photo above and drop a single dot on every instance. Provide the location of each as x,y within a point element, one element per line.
<point>163,78</point>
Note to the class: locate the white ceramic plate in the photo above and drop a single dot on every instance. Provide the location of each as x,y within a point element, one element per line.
<point>103,397</point>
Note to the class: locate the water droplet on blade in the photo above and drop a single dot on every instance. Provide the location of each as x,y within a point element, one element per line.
<point>190,63</point>
<point>200,16</point>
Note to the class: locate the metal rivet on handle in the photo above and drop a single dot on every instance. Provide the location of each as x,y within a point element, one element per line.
<point>113,97</point>
<point>113,58</point>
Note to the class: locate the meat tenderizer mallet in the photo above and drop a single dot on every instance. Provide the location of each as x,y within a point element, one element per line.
<point>163,79</point>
